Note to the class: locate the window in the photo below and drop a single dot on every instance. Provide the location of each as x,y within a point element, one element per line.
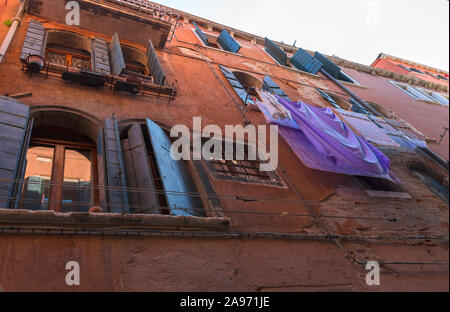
<point>435,182</point>
<point>414,93</point>
<point>404,67</point>
<point>440,98</point>
<point>67,57</point>
<point>60,172</point>
<point>344,77</point>
<point>417,71</point>
<point>135,66</point>
<point>209,40</point>
<point>66,50</point>
<point>377,187</point>
<point>241,170</point>
<point>156,183</point>
<point>224,41</point>
<point>135,63</point>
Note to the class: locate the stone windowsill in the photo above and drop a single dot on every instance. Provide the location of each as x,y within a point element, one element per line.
<point>10,217</point>
<point>382,194</point>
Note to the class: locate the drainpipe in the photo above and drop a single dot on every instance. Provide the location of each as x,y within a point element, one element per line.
<point>352,94</point>
<point>12,30</point>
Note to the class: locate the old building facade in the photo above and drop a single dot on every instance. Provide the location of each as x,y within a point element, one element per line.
<point>86,173</point>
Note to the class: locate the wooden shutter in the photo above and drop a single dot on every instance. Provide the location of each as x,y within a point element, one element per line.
<point>279,55</point>
<point>272,87</point>
<point>174,174</point>
<point>305,62</point>
<point>142,193</point>
<point>201,34</point>
<point>228,43</point>
<point>100,56</point>
<point>154,66</point>
<point>117,60</point>
<point>328,65</point>
<point>13,144</point>
<point>115,172</point>
<point>34,41</point>
<point>236,85</point>
<point>101,161</point>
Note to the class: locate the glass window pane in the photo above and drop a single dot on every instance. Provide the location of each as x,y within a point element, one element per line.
<point>80,63</point>
<point>38,173</point>
<point>56,58</point>
<point>77,191</point>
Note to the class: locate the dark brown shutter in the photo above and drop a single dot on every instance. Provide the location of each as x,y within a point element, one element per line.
<point>34,41</point>
<point>100,56</point>
<point>13,144</point>
<point>117,60</point>
<point>142,193</point>
<point>115,173</point>
<point>154,66</point>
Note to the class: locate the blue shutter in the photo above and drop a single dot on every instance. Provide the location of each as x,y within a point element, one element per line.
<point>303,61</point>
<point>174,174</point>
<point>13,129</point>
<point>328,98</point>
<point>115,172</point>
<point>328,65</point>
<point>34,43</point>
<point>117,60</point>
<point>271,86</point>
<point>279,55</point>
<point>154,66</point>
<point>241,92</point>
<point>201,34</point>
<point>100,56</point>
<point>228,43</point>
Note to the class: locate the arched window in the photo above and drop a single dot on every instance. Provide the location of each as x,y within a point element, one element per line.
<point>60,170</point>
<point>249,82</point>
<point>65,49</point>
<point>135,61</point>
<point>435,182</point>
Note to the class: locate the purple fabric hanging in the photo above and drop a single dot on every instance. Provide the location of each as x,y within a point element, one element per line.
<point>324,142</point>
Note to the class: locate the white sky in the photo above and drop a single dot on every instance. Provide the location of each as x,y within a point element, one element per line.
<point>357,30</point>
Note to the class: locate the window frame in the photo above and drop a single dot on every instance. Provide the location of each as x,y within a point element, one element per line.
<point>68,60</point>
<point>57,174</point>
<point>402,86</point>
<point>432,94</point>
<point>217,43</point>
<point>274,179</point>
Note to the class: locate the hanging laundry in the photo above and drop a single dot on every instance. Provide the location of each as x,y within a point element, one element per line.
<point>322,141</point>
